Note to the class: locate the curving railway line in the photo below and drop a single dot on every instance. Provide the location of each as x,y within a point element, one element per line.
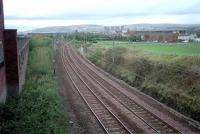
<point>113,107</point>
<point>109,122</point>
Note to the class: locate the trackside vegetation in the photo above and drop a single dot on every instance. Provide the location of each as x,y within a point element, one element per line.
<point>171,78</point>
<point>38,109</point>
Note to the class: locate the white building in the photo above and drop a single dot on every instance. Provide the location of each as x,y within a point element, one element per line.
<point>186,38</point>
<point>197,40</point>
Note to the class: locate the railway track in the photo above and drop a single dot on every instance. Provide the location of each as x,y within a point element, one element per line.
<point>107,119</point>
<point>152,121</point>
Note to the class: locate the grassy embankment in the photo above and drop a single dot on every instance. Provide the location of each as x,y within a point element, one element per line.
<point>168,72</point>
<point>38,109</point>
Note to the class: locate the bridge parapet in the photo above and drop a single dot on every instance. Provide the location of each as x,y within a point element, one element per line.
<point>16,56</point>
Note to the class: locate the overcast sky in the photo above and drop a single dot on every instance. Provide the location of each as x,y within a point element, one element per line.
<point>30,14</point>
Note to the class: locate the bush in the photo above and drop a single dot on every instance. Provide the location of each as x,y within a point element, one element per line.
<point>95,56</point>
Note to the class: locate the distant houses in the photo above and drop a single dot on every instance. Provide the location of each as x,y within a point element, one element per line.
<point>197,39</point>
<point>187,38</point>
<point>153,36</point>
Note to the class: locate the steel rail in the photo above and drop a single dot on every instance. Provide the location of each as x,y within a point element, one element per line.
<point>100,99</point>
<point>125,128</point>
<point>83,97</point>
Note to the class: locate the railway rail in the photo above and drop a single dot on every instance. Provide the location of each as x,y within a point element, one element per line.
<point>108,120</point>
<point>151,123</point>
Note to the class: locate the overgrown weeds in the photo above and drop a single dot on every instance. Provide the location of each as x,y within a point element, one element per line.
<point>164,77</point>
<point>38,109</point>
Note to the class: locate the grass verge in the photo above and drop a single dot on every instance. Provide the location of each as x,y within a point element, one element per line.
<point>38,109</point>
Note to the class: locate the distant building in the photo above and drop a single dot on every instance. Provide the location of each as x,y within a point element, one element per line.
<point>153,36</point>
<point>127,33</point>
<point>187,38</point>
<point>106,30</point>
<point>122,28</point>
<point>113,30</point>
<point>159,36</point>
<point>197,39</point>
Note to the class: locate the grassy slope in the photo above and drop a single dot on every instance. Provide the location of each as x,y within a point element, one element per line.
<point>170,79</point>
<point>38,109</point>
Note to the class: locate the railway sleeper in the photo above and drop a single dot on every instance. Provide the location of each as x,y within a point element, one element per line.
<point>147,114</point>
<point>117,130</point>
<point>90,97</point>
<point>146,117</point>
<point>137,108</point>
<point>111,122</point>
<point>163,130</point>
<point>167,131</point>
<point>140,113</point>
<point>101,113</point>
<point>112,125</point>
<point>155,124</point>
<point>153,120</point>
<point>106,117</point>
<point>95,103</point>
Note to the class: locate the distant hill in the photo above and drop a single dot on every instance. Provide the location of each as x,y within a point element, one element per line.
<point>134,27</point>
<point>72,28</point>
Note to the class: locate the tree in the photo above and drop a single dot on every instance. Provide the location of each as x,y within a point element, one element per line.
<point>198,34</point>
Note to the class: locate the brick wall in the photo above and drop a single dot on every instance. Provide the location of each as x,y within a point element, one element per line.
<point>11,62</point>
<point>16,55</point>
<point>2,65</point>
<point>161,36</point>
<point>1,20</point>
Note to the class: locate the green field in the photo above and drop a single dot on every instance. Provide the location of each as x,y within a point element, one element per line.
<point>188,49</point>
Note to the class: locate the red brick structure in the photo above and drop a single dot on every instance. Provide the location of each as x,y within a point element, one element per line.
<point>16,55</point>
<point>2,62</point>
<point>161,36</point>
<point>13,60</point>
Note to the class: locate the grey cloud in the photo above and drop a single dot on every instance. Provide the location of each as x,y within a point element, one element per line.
<point>161,10</point>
